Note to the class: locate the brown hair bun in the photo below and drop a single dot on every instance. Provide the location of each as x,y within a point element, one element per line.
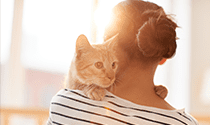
<point>157,36</point>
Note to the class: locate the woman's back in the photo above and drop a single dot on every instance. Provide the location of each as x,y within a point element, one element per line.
<point>72,107</point>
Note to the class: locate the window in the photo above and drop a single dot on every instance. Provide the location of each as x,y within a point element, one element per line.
<point>49,29</point>
<point>7,8</point>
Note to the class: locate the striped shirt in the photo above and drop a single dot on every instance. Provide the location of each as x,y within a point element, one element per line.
<point>72,107</point>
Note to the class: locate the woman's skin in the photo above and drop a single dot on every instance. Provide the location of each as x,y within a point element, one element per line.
<point>135,83</point>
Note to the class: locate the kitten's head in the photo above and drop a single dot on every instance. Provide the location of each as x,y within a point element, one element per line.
<point>95,64</point>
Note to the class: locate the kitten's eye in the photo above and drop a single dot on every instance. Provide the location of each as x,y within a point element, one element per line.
<point>99,65</point>
<point>113,65</point>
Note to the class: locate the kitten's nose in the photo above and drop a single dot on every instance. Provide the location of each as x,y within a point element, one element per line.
<point>110,76</point>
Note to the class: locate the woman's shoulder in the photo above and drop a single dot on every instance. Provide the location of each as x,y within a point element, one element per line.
<point>157,115</point>
<point>68,95</point>
<point>76,95</point>
<point>74,98</point>
<point>72,106</point>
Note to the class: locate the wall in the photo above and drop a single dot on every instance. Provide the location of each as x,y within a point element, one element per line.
<point>200,57</point>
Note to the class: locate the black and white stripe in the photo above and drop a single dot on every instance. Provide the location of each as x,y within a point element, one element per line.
<point>73,107</point>
<point>142,110</point>
<point>74,118</point>
<point>88,112</point>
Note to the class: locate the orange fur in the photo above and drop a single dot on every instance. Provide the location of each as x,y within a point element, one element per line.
<point>83,73</point>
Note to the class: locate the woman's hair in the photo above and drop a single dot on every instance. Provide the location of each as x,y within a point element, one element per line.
<point>149,30</point>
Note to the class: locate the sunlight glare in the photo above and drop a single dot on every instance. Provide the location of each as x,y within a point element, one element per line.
<point>102,17</point>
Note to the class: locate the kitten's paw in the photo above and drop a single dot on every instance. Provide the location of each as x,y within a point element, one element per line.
<point>161,91</point>
<point>94,92</point>
<point>98,93</point>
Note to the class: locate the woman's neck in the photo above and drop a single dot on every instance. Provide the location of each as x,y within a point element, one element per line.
<point>136,85</point>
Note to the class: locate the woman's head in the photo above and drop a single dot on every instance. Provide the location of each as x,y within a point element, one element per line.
<point>146,33</point>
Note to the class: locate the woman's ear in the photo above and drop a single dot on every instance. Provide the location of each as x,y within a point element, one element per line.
<point>162,61</point>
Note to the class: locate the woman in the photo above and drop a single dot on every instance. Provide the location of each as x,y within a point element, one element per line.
<point>147,38</point>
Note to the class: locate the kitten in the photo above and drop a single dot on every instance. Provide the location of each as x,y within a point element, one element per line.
<point>93,68</point>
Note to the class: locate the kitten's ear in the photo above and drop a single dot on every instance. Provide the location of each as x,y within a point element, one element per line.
<point>82,45</point>
<point>112,41</point>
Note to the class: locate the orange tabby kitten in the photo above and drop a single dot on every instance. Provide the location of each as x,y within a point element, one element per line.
<point>93,68</point>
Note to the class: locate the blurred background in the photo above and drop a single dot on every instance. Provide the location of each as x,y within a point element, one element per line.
<point>38,41</point>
